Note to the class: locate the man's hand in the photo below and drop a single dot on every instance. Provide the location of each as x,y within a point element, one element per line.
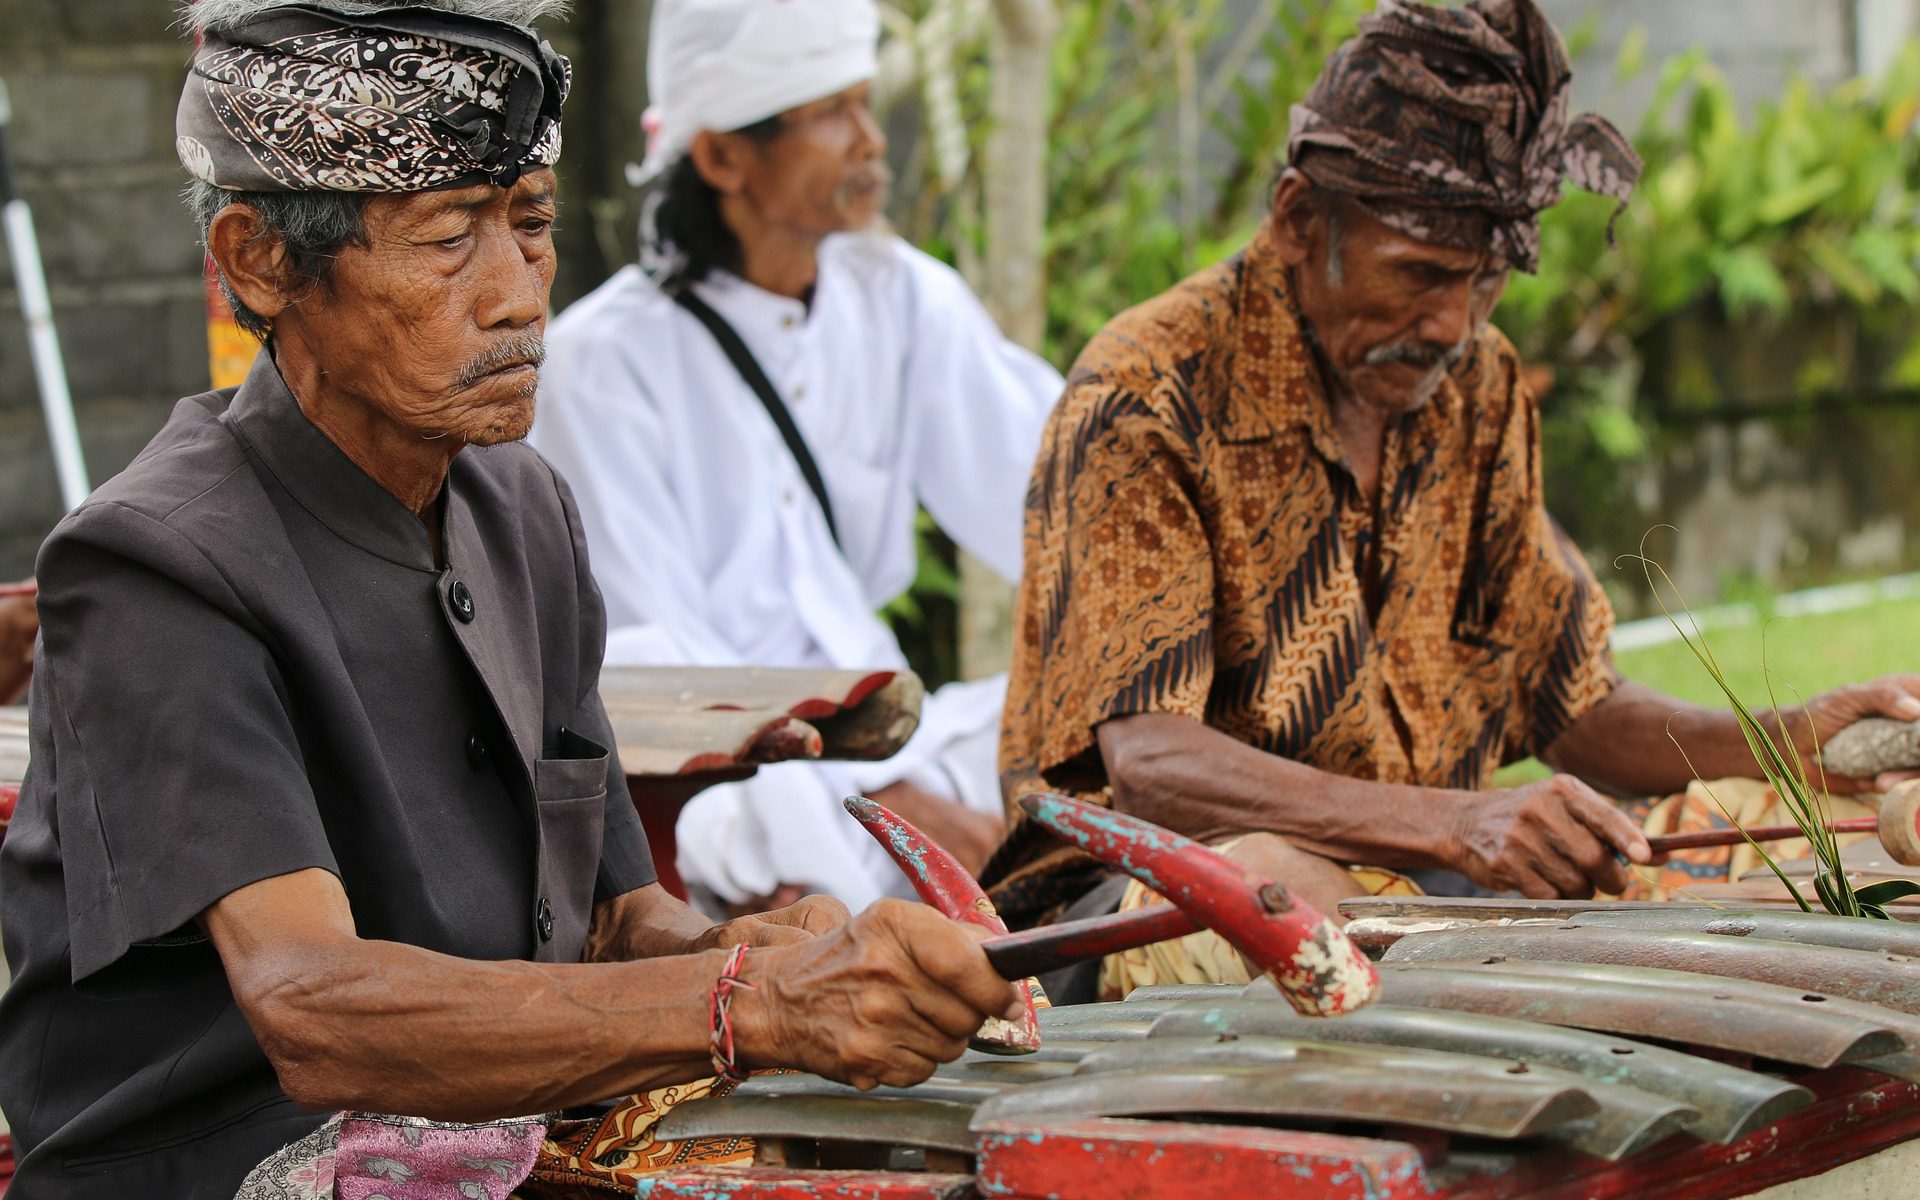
<point>1545,840</point>
<point>880,1000</point>
<point>969,836</point>
<point>807,917</point>
<point>1893,696</point>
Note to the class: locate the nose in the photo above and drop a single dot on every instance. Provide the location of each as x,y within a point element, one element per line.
<point>871,139</point>
<point>1449,319</point>
<point>514,281</point>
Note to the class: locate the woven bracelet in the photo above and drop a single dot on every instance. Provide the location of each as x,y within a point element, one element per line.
<point>720,1048</point>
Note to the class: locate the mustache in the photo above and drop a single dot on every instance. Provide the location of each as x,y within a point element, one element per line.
<point>876,174</point>
<point>1419,353</point>
<point>517,349</point>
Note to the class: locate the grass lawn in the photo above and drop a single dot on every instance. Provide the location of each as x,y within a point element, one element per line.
<point>1804,654</point>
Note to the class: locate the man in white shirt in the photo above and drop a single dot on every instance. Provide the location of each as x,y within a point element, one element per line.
<point>717,537</point>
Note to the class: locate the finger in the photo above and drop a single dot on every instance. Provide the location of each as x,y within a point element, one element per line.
<point>1897,696</point>
<point>949,954</point>
<point>812,914</point>
<point>944,1011</point>
<point>1600,869</point>
<point>1612,826</point>
<point>1565,878</point>
<point>1886,781</point>
<point>908,1069</point>
<point>1533,886</point>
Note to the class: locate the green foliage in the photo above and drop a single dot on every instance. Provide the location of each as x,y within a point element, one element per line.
<point>1167,121</point>
<point>1808,203</point>
<point>1785,771</point>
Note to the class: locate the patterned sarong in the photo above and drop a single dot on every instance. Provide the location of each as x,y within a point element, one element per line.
<point>363,1156</point>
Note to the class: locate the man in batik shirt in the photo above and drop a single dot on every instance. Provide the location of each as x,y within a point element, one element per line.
<point>1290,585</point>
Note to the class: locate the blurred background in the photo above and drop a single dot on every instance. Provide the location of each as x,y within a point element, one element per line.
<point>1744,367</point>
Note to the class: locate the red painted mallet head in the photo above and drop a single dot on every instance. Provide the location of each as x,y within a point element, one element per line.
<point>1317,969</point>
<point>943,883</point>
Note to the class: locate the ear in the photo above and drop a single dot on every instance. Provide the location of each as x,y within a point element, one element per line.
<point>252,258</point>
<point>720,159</point>
<point>1298,221</point>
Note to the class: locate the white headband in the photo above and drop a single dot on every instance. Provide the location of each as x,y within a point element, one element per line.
<point>727,64</point>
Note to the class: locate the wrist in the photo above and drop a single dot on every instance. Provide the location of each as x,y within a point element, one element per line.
<point>757,1037</point>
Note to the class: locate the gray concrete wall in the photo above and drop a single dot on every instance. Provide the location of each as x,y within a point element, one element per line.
<point>93,87</point>
<point>94,84</point>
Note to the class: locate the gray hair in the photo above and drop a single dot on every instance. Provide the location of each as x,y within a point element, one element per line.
<point>313,226</point>
<point>208,14</point>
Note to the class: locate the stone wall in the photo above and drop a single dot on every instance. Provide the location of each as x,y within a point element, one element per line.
<point>94,84</point>
<point>93,87</point>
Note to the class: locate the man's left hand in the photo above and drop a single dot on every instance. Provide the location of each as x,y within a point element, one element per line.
<point>1893,696</point>
<point>808,917</point>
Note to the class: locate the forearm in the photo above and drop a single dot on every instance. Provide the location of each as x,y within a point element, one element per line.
<point>395,1028</point>
<point>1179,773</point>
<point>648,922</point>
<point>1642,742</point>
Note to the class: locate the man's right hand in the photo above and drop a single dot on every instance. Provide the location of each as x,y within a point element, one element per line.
<point>1553,838</point>
<point>879,1001</point>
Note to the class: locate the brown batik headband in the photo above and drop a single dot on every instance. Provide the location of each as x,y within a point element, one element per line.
<point>1450,125</point>
<point>401,100</point>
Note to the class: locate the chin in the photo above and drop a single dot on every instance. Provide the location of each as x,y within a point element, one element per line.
<point>507,427</point>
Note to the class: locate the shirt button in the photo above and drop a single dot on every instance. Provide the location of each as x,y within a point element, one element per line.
<point>543,919</point>
<point>800,393</point>
<point>787,322</point>
<point>786,497</point>
<point>477,753</point>
<point>462,601</point>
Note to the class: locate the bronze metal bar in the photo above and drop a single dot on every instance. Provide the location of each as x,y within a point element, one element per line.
<point>1516,1106</point>
<point>1782,1024</point>
<point>923,1124</point>
<point>1817,929</point>
<point>1889,980</point>
<point>1628,1119</point>
<point>1731,1102</point>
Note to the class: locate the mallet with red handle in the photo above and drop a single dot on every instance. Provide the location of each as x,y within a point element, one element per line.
<point>1316,968</point>
<point>1898,826</point>
<point>944,883</point>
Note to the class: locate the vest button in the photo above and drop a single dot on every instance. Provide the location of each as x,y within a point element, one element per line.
<point>462,601</point>
<point>543,920</point>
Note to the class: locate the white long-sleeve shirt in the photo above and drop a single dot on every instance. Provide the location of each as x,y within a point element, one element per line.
<point>711,550</point>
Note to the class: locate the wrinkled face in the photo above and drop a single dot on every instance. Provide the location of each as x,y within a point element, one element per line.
<point>825,172</point>
<point>436,322</point>
<point>1393,315</point>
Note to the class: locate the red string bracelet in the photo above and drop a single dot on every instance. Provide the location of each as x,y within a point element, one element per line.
<point>721,1046</point>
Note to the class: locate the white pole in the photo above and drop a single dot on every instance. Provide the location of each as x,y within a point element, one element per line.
<point>37,307</point>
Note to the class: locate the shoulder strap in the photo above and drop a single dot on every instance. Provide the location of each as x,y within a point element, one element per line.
<point>749,368</point>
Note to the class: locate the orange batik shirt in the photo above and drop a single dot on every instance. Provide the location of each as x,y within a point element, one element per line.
<point>1196,545</point>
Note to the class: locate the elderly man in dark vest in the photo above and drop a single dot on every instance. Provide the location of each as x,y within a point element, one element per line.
<point>321,813</point>
<point>1289,580</point>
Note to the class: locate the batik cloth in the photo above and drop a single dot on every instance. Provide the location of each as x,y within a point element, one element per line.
<point>305,100</point>
<point>1205,956</point>
<point>1450,125</point>
<point>584,1159</point>
<point>1195,544</point>
<point>1750,803</point>
<point>363,1156</point>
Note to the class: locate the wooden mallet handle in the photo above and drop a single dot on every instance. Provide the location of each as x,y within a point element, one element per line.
<point>1898,826</point>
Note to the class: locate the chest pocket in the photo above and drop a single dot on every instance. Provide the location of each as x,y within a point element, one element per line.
<point>570,802</point>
